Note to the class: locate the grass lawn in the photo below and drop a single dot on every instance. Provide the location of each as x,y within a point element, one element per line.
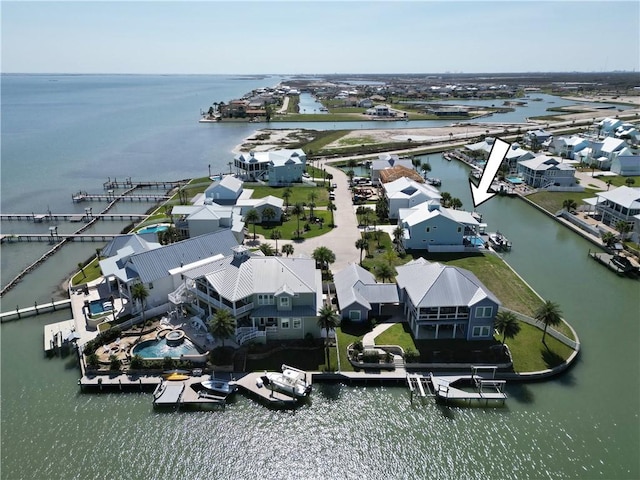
<point>619,181</point>
<point>288,228</point>
<point>399,334</point>
<point>531,355</point>
<point>346,334</point>
<point>552,201</point>
<point>91,272</point>
<point>323,139</point>
<point>298,194</point>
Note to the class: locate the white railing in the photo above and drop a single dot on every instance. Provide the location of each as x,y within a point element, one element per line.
<point>178,295</point>
<point>245,334</point>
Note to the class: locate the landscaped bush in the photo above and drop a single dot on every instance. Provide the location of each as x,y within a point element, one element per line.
<point>102,338</point>
<point>137,362</point>
<point>92,360</point>
<point>371,356</point>
<point>411,356</point>
<point>168,363</point>
<point>114,363</point>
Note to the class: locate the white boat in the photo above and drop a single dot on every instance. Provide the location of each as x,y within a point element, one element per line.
<point>499,242</point>
<point>291,381</point>
<point>218,385</point>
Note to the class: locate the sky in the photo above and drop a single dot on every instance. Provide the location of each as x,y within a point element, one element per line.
<point>304,37</point>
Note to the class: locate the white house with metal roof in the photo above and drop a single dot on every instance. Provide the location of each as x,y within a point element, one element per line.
<point>195,220</point>
<point>225,191</point>
<point>619,204</point>
<point>438,229</point>
<point>272,298</point>
<point>386,161</point>
<point>543,172</point>
<point>360,297</point>
<point>447,303</point>
<point>260,205</point>
<point>280,167</point>
<point>153,267</point>
<point>405,193</point>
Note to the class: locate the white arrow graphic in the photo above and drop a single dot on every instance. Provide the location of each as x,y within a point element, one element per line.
<point>482,192</point>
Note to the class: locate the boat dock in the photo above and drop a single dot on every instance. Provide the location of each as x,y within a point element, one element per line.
<point>127,183</point>
<point>455,388</point>
<point>110,196</point>
<point>58,237</point>
<point>170,393</point>
<point>71,217</point>
<point>58,334</point>
<point>616,263</point>
<point>35,310</point>
<point>251,383</point>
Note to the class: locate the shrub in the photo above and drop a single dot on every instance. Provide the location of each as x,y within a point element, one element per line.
<point>309,340</point>
<point>114,363</point>
<point>357,346</point>
<point>168,363</point>
<point>411,356</point>
<point>370,356</point>
<point>136,362</point>
<point>92,360</point>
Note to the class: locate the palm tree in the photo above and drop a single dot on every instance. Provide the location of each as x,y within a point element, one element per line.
<point>415,161</point>
<point>445,198</point>
<point>328,319</point>
<point>351,174</point>
<point>382,209</point>
<point>456,203</point>
<point>268,214</point>
<point>276,235</point>
<point>253,217</point>
<point>549,313</point>
<point>139,293</point>
<point>608,238</point>
<point>222,324</point>
<point>287,249</point>
<point>286,195</point>
<point>569,204</point>
<point>384,271</point>
<point>362,244</point>
<point>398,234</point>
<point>624,228</point>
<point>267,249</point>
<point>426,168</point>
<point>332,208</point>
<point>297,210</point>
<point>324,257</point>
<point>507,324</point>
<point>81,268</point>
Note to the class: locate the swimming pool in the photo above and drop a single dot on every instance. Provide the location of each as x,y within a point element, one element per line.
<point>514,180</point>
<point>97,307</point>
<point>160,349</point>
<point>160,227</point>
<point>476,241</point>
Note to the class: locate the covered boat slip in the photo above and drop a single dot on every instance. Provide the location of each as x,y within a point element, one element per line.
<point>177,393</point>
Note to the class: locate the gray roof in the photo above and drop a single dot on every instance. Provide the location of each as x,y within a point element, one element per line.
<point>138,242</point>
<point>354,284</point>
<point>155,264</point>
<point>441,285</point>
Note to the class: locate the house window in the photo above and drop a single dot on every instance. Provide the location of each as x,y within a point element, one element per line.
<point>284,323</point>
<point>297,323</point>
<point>483,331</point>
<point>265,299</point>
<point>284,301</point>
<point>459,229</point>
<point>484,312</point>
<point>150,286</point>
<point>428,229</point>
<point>354,315</point>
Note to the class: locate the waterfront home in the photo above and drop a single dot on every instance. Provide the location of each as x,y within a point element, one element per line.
<point>365,103</point>
<point>607,126</point>
<point>544,172</point>
<point>280,167</point>
<point>360,297</point>
<point>448,302</point>
<point>225,191</point>
<point>153,267</point>
<point>626,165</point>
<point>514,155</point>
<point>434,228</point>
<point>137,242</point>
<point>619,204</point>
<point>394,173</point>
<point>536,138</point>
<point>628,131</point>
<point>386,161</point>
<point>406,193</point>
<point>272,298</point>
<point>380,111</point>
<point>195,220</point>
<point>260,204</point>
<point>482,148</point>
<point>604,152</point>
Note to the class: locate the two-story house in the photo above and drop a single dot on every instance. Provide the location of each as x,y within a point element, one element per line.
<point>405,193</point>
<point>543,172</point>
<point>280,167</point>
<point>447,303</point>
<point>619,204</point>
<point>272,298</point>
<point>387,161</point>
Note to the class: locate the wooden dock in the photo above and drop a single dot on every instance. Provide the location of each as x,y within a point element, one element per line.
<point>71,217</point>
<point>251,384</point>
<point>35,310</point>
<point>620,265</point>
<point>127,183</point>
<point>55,333</point>
<point>59,237</point>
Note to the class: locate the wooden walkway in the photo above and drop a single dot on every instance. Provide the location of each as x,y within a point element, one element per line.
<point>54,334</point>
<point>59,237</point>
<point>102,197</point>
<point>35,310</point>
<point>72,217</point>
<point>250,383</point>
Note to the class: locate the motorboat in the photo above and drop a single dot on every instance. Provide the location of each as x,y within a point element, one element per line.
<point>218,385</point>
<point>291,381</point>
<point>499,242</point>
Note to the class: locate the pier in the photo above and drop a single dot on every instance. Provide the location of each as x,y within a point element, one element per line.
<point>59,237</point>
<point>36,309</point>
<point>109,196</point>
<point>127,183</point>
<point>71,217</point>
<point>623,266</point>
<point>56,335</point>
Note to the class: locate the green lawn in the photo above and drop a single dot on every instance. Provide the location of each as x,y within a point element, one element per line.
<point>347,333</point>
<point>309,360</point>
<point>619,181</point>
<point>288,228</point>
<point>91,272</point>
<point>299,194</point>
<point>552,201</point>
<point>399,334</point>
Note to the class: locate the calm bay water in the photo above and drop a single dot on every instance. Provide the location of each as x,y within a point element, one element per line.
<point>582,425</point>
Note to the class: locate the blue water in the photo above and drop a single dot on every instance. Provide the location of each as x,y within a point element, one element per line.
<point>476,241</point>
<point>160,349</point>
<point>96,307</point>
<point>153,229</point>
<point>514,180</point>
<point>309,104</point>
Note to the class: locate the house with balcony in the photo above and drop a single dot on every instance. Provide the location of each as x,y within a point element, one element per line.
<point>380,111</point>
<point>195,220</point>
<point>280,167</point>
<point>619,204</point>
<point>568,147</point>
<point>272,298</point>
<point>155,268</point>
<point>437,229</point>
<point>606,151</point>
<point>536,138</point>
<point>514,155</point>
<point>360,297</point>
<point>387,161</point>
<point>406,193</point>
<point>447,303</point>
<point>544,172</point>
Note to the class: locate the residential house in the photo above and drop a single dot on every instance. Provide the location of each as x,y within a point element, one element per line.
<point>138,243</point>
<point>225,191</point>
<point>628,131</point>
<point>272,298</point>
<point>448,111</point>
<point>604,152</point>
<point>543,172</point>
<point>619,204</point>
<point>482,148</point>
<point>281,167</point>
<point>406,193</point>
<point>536,138</point>
<point>365,103</point>
<point>153,267</point>
<point>394,173</point>
<point>385,161</point>
<point>380,111</point>
<point>514,155</point>
<point>447,303</point>
<point>260,204</point>
<point>195,220</point>
<point>568,147</point>
<point>437,229</point>
<point>360,297</point>
<point>626,165</point>
<point>234,109</point>
<point>607,126</point>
